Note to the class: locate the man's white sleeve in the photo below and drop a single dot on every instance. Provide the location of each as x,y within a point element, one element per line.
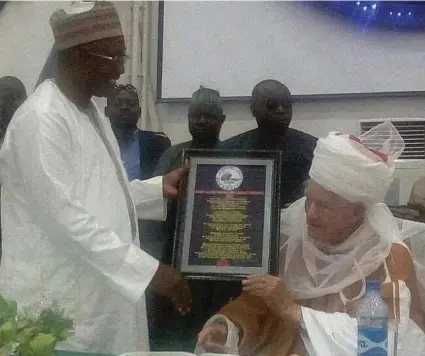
<point>148,198</point>
<point>45,178</point>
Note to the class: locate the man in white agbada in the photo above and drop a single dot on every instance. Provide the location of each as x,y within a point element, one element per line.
<point>335,238</point>
<point>68,211</point>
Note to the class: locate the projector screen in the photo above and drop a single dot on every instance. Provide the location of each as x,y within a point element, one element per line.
<point>230,46</point>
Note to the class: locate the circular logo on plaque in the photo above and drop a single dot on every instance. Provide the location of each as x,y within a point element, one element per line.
<point>229,178</point>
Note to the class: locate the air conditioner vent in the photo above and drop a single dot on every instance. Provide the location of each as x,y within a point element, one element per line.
<point>412,131</point>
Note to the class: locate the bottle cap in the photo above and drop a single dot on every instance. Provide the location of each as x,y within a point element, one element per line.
<point>373,285</point>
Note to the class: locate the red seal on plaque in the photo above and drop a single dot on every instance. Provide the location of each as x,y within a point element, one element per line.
<point>222,262</point>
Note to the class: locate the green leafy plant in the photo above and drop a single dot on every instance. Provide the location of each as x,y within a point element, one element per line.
<point>26,334</point>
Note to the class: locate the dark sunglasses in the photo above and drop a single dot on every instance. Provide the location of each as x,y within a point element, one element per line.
<point>274,104</point>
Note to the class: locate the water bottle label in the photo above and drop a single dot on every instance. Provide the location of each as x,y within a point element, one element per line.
<point>372,341</point>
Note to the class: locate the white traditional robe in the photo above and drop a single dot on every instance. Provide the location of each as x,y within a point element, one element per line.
<point>67,223</point>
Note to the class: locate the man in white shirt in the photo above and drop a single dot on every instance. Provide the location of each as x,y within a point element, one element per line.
<point>69,213</point>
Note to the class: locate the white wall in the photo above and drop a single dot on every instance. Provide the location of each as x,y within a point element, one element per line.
<point>24,25</point>
<point>25,39</point>
<point>312,51</point>
<point>317,118</point>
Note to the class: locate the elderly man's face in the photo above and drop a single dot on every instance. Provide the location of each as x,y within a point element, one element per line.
<point>330,218</point>
<point>103,61</point>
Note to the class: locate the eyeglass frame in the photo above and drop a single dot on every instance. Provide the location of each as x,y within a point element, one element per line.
<point>115,59</point>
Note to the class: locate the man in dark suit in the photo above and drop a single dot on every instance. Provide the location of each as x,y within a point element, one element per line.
<point>271,106</point>
<point>140,149</point>
<point>205,117</point>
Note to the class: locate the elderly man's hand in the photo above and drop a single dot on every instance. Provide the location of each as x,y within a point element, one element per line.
<point>171,181</point>
<point>272,290</point>
<point>212,338</point>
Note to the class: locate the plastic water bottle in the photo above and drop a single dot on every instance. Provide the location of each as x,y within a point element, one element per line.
<point>372,322</point>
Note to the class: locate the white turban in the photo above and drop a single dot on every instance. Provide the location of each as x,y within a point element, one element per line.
<point>359,170</point>
<point>346,165</point>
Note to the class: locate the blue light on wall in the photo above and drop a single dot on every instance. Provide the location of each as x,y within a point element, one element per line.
<point>396,15</point>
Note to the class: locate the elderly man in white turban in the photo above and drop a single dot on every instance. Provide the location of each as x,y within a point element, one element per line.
<point>338,236</point>
<point>68,211</point>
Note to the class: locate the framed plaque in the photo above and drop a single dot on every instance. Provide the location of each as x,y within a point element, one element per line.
<point>228,215</point>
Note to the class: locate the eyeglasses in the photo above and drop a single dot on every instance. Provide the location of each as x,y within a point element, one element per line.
<point>114,59</point>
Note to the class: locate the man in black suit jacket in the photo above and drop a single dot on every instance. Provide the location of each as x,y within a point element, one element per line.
<point>140,150</point>
<point>271,106</point>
